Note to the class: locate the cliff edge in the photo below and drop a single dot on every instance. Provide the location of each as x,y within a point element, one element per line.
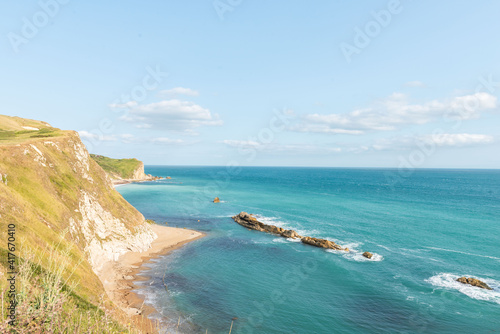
<point>124,170</point>
<point>58,197</point>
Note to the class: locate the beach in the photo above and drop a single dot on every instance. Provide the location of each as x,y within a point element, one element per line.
<point>118,276</point>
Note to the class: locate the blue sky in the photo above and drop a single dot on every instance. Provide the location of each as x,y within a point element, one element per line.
<point>281,83</point>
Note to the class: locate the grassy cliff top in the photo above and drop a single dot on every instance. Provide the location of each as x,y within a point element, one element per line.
<point>119,168</point>
<point>65,213</point>
<point>14,130</point>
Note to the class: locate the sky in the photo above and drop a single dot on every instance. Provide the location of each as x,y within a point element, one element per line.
<point>403,84</point>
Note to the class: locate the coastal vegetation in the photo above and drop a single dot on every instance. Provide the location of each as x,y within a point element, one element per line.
<point>48,303</point>
<point>14,130</point>
<point>65,220</point>
<point>119,168</point>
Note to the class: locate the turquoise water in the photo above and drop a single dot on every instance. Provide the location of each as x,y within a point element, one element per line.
<point>425,230</point>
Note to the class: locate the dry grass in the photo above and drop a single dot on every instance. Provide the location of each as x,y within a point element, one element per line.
<point>47,304</point>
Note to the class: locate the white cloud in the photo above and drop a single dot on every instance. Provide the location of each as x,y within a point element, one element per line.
<point>129,104</point>
<point>280,148</point>
<point>128,138</point>
<point>167,141</point>
<point>241,143</point>
<point>459,139</point>
<point>86,135</point>
<point>180,91</point>
<point>322,128</point>
<point>415,83</point>
<point>396,111</point>
<point>437,139</point>
<point>175,115</point>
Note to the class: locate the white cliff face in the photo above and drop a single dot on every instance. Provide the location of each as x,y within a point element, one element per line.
<point>38,155</point>
<point>105,236</point>
<point>101,230</point>
<point>82,160</point>
<point>139,173</point>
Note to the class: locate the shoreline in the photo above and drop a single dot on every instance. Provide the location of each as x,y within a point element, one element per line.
<point>118,277</point>
<point>119,182</point>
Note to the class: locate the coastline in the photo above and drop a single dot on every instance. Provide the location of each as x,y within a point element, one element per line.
<point>118,182</point>
<point>118,277</point>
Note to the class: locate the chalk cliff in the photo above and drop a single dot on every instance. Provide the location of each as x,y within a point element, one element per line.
<point>60,198</point>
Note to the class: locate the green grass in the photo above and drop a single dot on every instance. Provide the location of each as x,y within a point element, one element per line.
<point>47,304</point>
<point>7,137</point>
<point>14,130</point>
<point>123,168</point>
<point>59,285</point>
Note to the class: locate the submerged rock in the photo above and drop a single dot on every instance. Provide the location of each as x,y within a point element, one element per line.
<point>247,220</point>
<point>216,200</point>
<point>474,282</point>
<point>368,255</point>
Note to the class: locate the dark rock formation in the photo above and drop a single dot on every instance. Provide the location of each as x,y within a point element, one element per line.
<point>321,243</point>
<point>290,234</point>
<point>216,200</point>
<point>368,255</point>
<point>474,282</point>
<point>250,222</point>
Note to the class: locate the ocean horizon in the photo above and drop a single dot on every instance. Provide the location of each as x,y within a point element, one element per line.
<point>425,229</point>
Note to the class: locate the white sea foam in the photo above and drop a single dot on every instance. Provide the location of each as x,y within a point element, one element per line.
<point>385,247</point>
<point>351,245</point>
<point>466,253</point>
<point>356,255</point>
<point>279,223</point>
<point>446,280</point>
<point>353,255</point>
<point>294,240</point>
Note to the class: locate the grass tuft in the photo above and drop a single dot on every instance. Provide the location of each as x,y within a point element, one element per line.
<point>46,302</point>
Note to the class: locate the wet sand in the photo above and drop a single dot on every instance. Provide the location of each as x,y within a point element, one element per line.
<point>118,276</point>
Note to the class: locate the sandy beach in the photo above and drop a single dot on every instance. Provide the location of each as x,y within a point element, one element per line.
<point>117,277</point>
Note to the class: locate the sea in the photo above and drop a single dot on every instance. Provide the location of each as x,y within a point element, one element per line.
<point>425,228</point>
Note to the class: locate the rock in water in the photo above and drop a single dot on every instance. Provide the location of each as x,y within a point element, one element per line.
<point>290,234</point>
<point>250,222</point>
<point>474,282</point>
<point>322,243</point>
<point>216,200</point>
<point>368,255</point>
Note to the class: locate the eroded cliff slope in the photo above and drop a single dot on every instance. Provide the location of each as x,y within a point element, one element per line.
<point>50,187</point>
